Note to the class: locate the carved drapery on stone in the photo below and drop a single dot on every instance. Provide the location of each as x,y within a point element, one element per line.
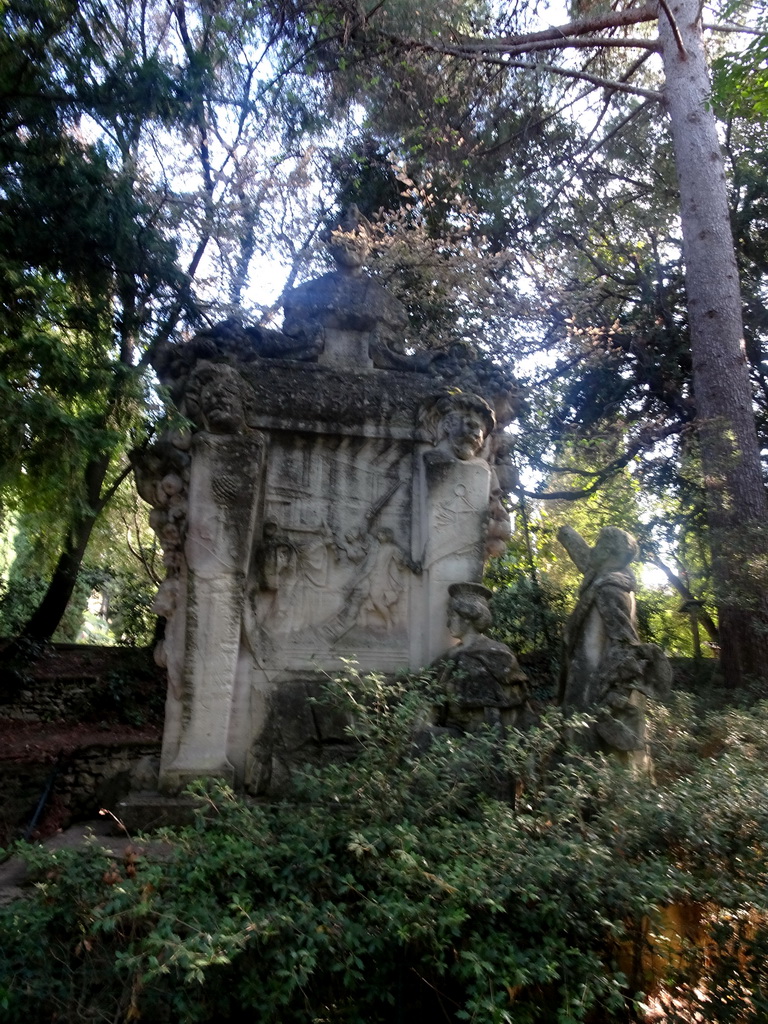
<point>608,671</point>
<point>333,487</point>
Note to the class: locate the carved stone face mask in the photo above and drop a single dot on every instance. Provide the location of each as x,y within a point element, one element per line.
<point>457,623</point>
<point>465,432</point>
<point>222,405</point>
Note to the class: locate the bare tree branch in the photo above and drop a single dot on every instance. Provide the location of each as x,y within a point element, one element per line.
<point>585,26</point>
<point>704,617</point>
<point>299,256</point>
<point>588,42</point>
<point>725,27</point>
<point>675,30</point>
<point>107,495</point>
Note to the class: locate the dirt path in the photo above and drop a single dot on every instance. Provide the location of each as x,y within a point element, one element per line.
<point>44,741</point>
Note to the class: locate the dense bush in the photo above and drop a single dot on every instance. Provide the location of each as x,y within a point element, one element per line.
<point>529,615</point>
<point>396,887</point>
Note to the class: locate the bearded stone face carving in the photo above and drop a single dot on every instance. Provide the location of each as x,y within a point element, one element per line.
<point>459,424</point>
<point>214,398</point>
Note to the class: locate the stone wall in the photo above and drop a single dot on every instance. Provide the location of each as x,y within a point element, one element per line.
<point>82,782</point>
<point>87,721</point>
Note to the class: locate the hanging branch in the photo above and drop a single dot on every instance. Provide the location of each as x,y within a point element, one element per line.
<point>703,616</point>
<point>579,76</point>
<point>607,471</point>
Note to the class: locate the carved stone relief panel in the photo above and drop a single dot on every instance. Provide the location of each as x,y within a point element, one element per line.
<point>329,573</point>
<point>335,481</point>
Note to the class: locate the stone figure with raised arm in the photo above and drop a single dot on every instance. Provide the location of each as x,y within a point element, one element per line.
<point>608,671</point>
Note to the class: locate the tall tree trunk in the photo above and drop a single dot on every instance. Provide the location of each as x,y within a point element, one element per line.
<point>42,624</point>
<point>730,454</point>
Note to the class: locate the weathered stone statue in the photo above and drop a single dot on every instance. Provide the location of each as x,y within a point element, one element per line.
<point>608,672</point>
<point>484,683</point>
<point>335,481</point>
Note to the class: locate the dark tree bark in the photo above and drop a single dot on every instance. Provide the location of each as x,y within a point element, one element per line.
<point>736,501</point>
<point>42,624</point>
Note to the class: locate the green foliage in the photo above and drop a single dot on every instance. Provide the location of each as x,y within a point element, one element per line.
<point>394,887</point>
<point>740,77</point>
<point>126,592</point>
<point>21,584</point>
<point>131,620</point>
<point>120,161</point>
<point>660,621</point>
<point>529,614</point>
<point>26,580</point>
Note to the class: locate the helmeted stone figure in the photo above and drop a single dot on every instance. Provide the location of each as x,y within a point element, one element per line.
<point>608,671</point>
<point>484,682</point>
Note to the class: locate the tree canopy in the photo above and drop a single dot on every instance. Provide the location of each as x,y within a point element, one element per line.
<point>524,196</point>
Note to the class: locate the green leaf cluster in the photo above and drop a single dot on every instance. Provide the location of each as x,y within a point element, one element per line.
<point>395,886</point>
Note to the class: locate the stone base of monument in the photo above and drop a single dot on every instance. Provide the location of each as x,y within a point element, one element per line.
<point>175,778</point>
<point>145,812</point>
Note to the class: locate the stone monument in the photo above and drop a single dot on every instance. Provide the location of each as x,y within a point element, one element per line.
<point>334,482</point>
<point>608,672</point>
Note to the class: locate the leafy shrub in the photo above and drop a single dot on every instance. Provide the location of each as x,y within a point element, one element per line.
<point>18,601</point>
<point>528,613</point>
<point>132,620</point>
<point>529,616</point>
<point>396,888</point>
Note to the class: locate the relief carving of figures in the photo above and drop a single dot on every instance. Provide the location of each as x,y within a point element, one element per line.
<point>276,577</point>
<point>290,573</point>
<point>354,545</point>
<point>371,599</point>
<point>485,684</point>
<point>608,671</point>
